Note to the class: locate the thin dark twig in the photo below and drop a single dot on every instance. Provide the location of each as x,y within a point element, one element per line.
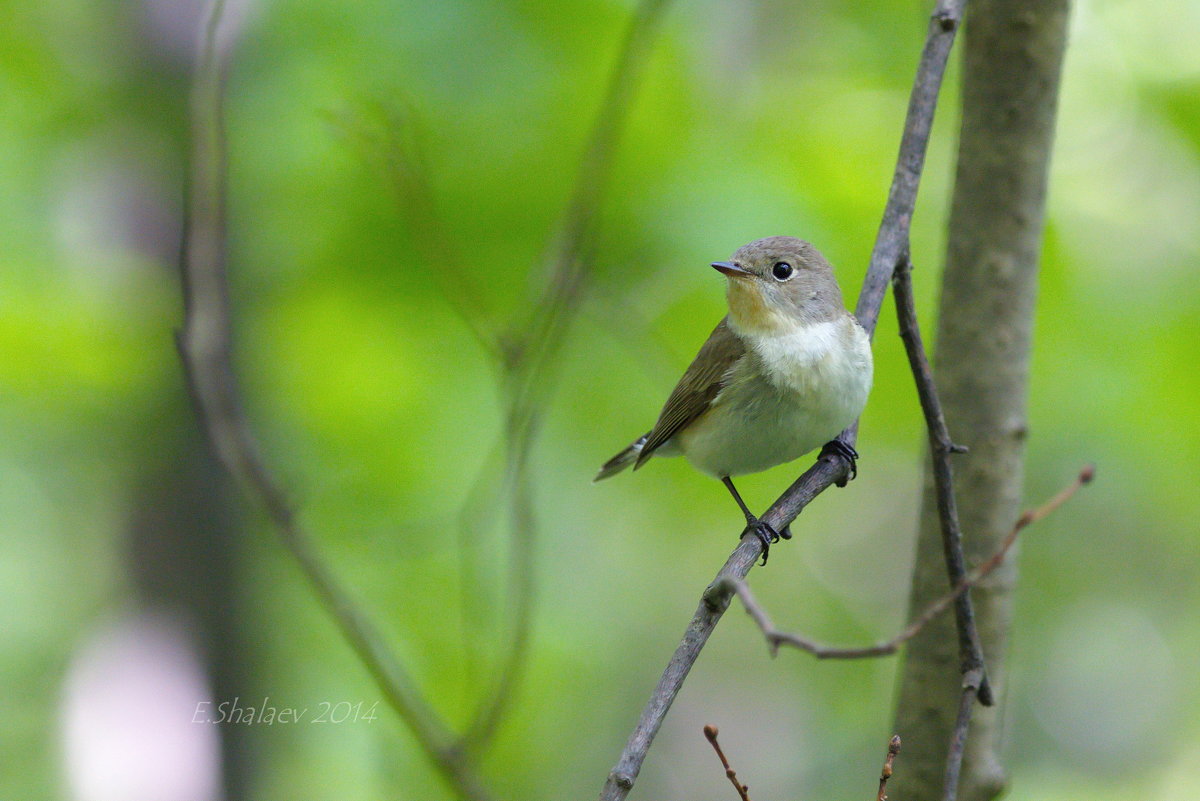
<point>776,638</point>
<point>205,348</point>
<point>886,773</point>
<point>958,738</point>
<point>530,350</point>
<point>891,241</point>
<point>941,448</point>
<point>710,733</point>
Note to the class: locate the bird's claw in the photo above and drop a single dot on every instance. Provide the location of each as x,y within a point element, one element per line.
<point>847,452</point>
<point>766,535</point>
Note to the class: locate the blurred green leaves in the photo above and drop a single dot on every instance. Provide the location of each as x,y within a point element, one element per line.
<point>379,405</point>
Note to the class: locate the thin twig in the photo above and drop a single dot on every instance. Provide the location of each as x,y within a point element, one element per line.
<point>891,241</point>
<point>205,347</point>
<point>958,738</point>
<point>941,448</point>
<point>886,773</point>
<point>710,732</point>
<point>776,638</point>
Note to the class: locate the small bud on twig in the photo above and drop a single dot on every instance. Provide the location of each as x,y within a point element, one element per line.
<point>893,750</point>
<point>710,733</point>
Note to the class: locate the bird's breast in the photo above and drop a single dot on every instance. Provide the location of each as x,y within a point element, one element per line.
<point>789,394</point>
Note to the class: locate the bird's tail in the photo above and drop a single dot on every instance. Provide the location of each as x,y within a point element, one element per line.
<point>622,460</point>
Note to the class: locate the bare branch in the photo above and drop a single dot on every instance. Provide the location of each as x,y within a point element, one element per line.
<point>776,638</point>
<point>205,348</point>
<point>891,242</point>
<point>886,773</point>
<point>958,738</point>
<point>941,447</point>
<point>710,733</point>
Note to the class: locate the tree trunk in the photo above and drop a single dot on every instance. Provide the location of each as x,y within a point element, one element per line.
<point>1012,61</point>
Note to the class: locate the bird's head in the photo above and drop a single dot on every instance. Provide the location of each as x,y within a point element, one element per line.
<point>778,284</point>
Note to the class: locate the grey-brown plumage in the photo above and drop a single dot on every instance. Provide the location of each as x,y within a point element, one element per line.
<point>692,397</point>
<point>786,370</point>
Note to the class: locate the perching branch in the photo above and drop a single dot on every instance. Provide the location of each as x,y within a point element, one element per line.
<point>206,350</point>
<point>941,448</point>
<point>890,244</point>
<point>776,638</point>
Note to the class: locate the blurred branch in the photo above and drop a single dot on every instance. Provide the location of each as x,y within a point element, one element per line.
<point>525,350</point>
<point>391,135</point>
<point>941,448</point>
<point>890,244</point>
<point>530,349</point>
<point>776,638</point>
<point>710,733</point>
<point>206,351</point>
<point>892,752</point>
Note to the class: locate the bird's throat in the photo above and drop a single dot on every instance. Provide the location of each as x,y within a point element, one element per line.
<point>751,312</point>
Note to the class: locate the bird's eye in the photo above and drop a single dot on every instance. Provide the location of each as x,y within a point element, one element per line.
<point>782,271</point>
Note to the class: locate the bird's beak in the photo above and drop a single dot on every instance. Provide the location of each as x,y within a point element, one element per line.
<point>732,270</point>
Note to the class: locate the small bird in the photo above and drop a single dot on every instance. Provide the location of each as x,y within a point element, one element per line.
<point>785,371</point>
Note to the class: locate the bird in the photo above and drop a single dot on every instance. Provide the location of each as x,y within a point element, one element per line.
<point>787,369</point>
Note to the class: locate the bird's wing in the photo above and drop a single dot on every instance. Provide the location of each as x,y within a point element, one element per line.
<point>694,393</point>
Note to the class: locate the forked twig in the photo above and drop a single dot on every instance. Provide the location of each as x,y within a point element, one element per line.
<point>523,349</point>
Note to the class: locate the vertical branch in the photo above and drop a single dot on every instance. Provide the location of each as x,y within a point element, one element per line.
<point>205,346</point>
<point>970,653</point>
<point>1012,62</point>
<point>710,734</point>
<point>958,736</point>
<point>941,448</point>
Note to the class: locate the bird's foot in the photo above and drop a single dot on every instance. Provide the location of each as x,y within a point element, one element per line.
<point>847,452</point>
<point>765,533</point>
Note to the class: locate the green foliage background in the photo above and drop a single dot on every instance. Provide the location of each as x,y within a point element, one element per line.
<point>379,409</point>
